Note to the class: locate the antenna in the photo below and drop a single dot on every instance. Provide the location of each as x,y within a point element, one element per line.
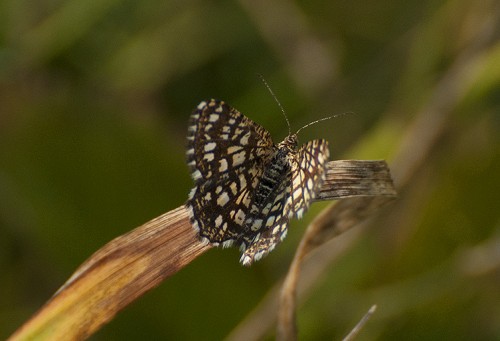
<point>324,119</point>
<point>279,104</point>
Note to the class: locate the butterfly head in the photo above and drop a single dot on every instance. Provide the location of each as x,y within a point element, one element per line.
<point>289,143</point>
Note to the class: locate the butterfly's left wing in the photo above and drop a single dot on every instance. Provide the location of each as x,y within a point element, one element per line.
<point>226,153</point>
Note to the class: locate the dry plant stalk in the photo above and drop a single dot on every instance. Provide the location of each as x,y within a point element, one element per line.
<point>331,222</point>
<point>130,265</point>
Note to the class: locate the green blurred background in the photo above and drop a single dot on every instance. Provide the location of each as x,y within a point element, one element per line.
<point>94,102</point>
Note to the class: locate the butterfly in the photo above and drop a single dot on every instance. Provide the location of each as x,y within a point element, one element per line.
<point>247,187</point>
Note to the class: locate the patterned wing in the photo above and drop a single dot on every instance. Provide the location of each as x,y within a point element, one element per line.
<point>274,228</point>
<point>268,217</point>
<point>296,192</point>
<point>309,167</point>
<point>226,154</point>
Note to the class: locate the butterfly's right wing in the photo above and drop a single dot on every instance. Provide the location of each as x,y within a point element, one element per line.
<point>309,170</point>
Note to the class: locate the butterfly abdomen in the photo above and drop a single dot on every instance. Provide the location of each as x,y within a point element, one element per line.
<point>277,171</point>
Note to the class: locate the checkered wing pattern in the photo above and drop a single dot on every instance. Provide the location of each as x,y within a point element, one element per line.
<point>307,173</point>
<point>226,153</point>
<point>247,188</point>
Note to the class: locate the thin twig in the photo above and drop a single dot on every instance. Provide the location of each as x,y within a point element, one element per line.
<point>355,331</point>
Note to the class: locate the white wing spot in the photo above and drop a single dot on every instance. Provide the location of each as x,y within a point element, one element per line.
<point>240,217</point>
<point>244,139</point>
<point>270,221</point>
<point>234,188</point>
<point>222,165</point>
<point>222,199</point>
<point>310,184</point>
<point>209,157</point>
<point>227,243</point>
<point>218,221</point>
<point>238,158</point>
<point>243,181</point>
<point>297,193</point>
<point>300,212</point>
<point>196,175</point>
<point>234,149</point>
<point>210,146</point>
<point>191,194</point>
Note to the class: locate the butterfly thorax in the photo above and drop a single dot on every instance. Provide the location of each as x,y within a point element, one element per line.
<point>276,172</point>
<point>289,143</point>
